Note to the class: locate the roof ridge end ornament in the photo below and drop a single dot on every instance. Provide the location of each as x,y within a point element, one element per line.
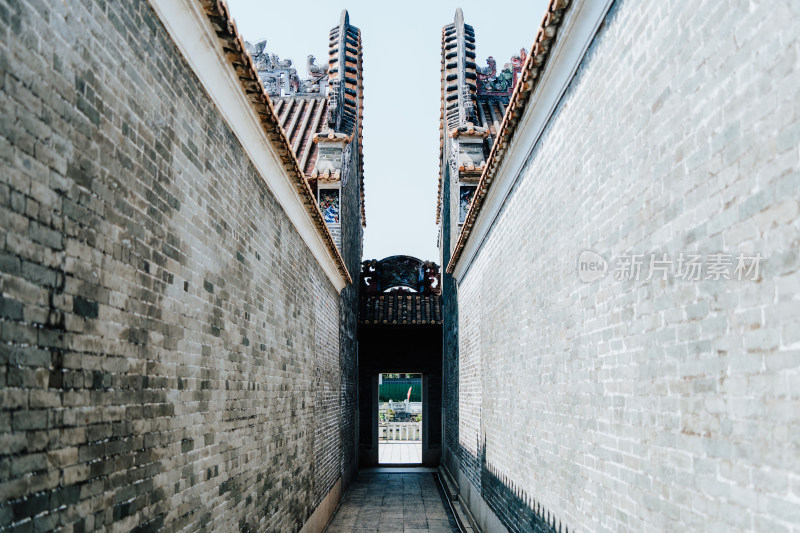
<point>331,135</point>
<point>469,129</point>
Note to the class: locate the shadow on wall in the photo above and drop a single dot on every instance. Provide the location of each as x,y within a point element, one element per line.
<point>516,509</point>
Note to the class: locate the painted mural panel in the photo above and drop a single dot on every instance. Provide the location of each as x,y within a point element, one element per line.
<point>329,205</point>
<point>465,197</point>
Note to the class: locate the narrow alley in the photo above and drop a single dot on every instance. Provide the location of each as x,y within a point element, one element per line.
<point>577,304</point>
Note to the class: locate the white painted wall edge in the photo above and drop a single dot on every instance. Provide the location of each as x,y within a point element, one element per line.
<point>191,31</point>
<point>572,41</point>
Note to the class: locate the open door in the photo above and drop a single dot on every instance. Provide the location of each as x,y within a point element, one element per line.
<point>400,419</point>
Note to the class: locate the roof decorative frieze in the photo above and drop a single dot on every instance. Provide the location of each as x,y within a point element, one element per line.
<point>469,129</point>
<point>280,78</point>
<point>332,136</point>
<point>493,83</point>
<point>400,290</point>
<point>334,153</point>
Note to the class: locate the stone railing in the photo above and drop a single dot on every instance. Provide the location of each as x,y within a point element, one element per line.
<point>399,431</point>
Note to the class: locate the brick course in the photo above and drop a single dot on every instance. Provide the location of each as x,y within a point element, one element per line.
<point>646,406</point>
<point>171,354</point>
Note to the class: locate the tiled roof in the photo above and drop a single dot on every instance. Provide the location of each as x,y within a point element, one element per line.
<point>301,117</point>
<point>234,49</point>
<point>490,116</point>
<point>400,308</point>
<point>531,73</point>
<point>400,290</point>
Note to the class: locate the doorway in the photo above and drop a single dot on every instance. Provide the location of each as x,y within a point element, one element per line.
<point>399,349</point>
<point>400,418</point>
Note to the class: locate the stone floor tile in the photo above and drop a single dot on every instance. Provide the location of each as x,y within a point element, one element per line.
<point>393,503</point>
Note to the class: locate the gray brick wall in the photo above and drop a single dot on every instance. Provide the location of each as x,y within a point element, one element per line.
<point>170,353</point>
<point>662,405</point>
<point>351,247</point>
<point>451,451</point>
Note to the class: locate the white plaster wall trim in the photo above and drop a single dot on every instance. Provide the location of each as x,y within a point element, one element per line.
<point>574,37</point>
<point>190,29</point>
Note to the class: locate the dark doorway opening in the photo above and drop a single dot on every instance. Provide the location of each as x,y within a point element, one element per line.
<point>398,349</point>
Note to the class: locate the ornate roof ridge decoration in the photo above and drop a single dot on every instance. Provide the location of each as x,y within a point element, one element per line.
<point>469,129</point>
<point>280,78</point>
<point>531,72</point>
<point>500,84</point>
<point>471,94</point>
<point>234,48</point>
<point>331,135</point>
<point>400,289</point>
<point>400,271</point>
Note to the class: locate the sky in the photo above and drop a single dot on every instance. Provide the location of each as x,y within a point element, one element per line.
<point>402,47</point>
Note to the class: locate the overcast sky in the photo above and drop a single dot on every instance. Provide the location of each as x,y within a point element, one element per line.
<point>401,92</point>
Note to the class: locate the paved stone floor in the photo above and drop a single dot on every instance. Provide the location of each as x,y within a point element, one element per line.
<point>399,503</point>
<point>397,453</point>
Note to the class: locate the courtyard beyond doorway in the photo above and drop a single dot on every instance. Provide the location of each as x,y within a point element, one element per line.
<point>399,419</point>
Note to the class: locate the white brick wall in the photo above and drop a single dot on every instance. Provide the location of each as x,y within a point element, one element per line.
<point>469,379</point>
<point>651,406</point>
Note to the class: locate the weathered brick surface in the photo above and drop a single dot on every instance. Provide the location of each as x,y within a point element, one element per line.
<point>351,247</point>
<point>647,406</point>
<point>171,353</point>
<point>449,336</point>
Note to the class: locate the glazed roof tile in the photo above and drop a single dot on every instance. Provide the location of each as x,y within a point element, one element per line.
<point>400,308</point>
<point>301,117</point>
